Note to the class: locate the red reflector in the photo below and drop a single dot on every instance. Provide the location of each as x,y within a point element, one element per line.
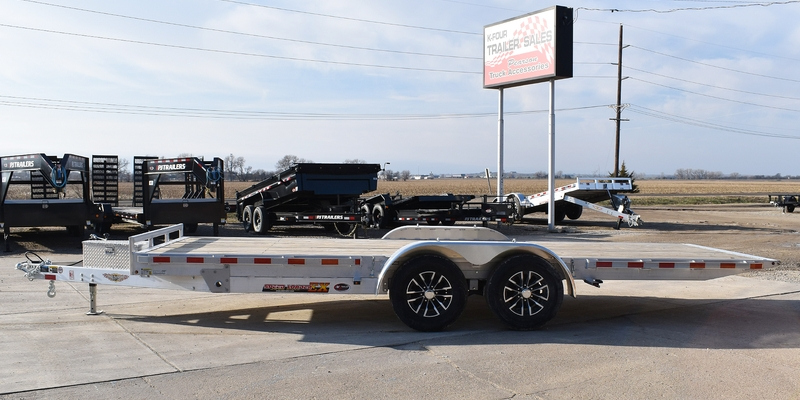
<point>195,260</point>
<point>358,261</point>
<point>228,260</point>
<point>666,265</point>
<point>297,261</point>
<point>637,264</point>
<point>262,261</point>
<point>330,261</point>
<point>50,277</point>
<point>605,264</point>
<point>697,265</point>
<point>755,266</point>
<point>727,265</point>
<point>160,259</point>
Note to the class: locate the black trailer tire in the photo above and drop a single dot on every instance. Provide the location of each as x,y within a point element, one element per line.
<point>574,211</point>
<point>247,218</point>
<point>428,293</point>
<point>561,212</point>
<point>379,217</point>
<point>261,223</point>
<point>524,292</point>
<point>190,227</point>
<point>790,208</point>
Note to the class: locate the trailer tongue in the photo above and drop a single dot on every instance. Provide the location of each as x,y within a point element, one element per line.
<point>427,271</point>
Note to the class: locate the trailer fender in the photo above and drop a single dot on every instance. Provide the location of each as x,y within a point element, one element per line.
<point>475,259</point>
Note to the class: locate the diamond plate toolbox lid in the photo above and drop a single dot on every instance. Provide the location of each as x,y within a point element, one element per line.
<point>107,254</point>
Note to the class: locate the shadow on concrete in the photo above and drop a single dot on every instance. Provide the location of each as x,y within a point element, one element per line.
<point>755,323</point>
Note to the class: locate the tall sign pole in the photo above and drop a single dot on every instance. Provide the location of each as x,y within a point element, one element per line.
<point>551,167</point>
<point>532,48</point>
<point>500,147</point>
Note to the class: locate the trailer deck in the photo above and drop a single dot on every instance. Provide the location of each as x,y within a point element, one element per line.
<point>428,271</point>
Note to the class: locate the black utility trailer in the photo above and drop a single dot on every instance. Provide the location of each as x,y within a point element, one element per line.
<point>39,190</point>
<point>309,193</point>
<point>184,190</point>
<point>392,210</point>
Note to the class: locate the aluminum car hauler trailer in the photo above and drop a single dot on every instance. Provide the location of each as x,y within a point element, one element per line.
<point>570,200</point>
<point>184,190</point>
<point>39,190</point>
<point>428,271</point>
<point>304,193</point>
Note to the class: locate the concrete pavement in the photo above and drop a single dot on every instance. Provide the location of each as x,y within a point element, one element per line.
<point>731,338</point>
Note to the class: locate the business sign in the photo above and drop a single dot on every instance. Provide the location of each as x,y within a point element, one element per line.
<point>532,48</point>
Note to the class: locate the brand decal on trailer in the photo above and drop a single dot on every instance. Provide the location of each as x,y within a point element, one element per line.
<point>341,287</point>
<point>313,287</point>
<point>20,164</point>
<point>115,277</point>
<point>329,217</point>
<point>170,167</point>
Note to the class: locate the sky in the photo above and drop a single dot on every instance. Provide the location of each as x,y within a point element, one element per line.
<point>708,85</point>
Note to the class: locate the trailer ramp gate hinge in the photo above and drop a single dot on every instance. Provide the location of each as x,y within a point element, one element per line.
<point>217,279</point>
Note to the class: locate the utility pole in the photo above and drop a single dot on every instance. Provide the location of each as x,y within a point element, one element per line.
<point>619,106</point>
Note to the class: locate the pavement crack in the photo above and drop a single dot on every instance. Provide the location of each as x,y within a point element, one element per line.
<point>468,373</point>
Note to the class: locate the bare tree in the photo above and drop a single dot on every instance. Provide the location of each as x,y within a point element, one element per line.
<point>235,167</point>
<point>289,160</point>
<point>123,171</point>
<point>405,174</point>
<point>355,161</point>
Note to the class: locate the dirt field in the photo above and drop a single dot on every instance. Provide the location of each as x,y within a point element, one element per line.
<point>754,228</point>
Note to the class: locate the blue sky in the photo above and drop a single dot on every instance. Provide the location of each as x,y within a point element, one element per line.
<point>710,85</point>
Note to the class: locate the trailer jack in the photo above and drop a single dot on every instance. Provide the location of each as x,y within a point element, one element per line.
<point>594,282</point>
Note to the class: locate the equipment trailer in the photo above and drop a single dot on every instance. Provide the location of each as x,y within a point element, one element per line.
<point>308,193</point>
<point>571,199</point>
<point>428,271</point>
<point>200,197</point>
<point>39,190</point>
<point>385,210</point>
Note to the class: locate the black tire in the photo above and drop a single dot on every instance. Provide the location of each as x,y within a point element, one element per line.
<point>574,211</point>
<point>190,227</point>
<point>261,222</point>
<point>428,293</point>
<point>75,230</point>
<point>379,216</point>
<point>247,218</point>
<point>561,212</point>
<point>517,216</point>
<point>524,292</point>
<point>432,222</point>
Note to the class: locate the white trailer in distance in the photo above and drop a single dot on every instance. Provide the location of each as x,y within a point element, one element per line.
<point>427,271</point>
<point>570,200</point>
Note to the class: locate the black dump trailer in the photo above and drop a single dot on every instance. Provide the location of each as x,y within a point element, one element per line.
<point>309,193</point>
<point>186,190</point>
<point>387,211</point>
<point>44,191</point>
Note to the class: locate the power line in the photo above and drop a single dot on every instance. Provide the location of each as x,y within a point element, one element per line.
<point>245,33</point>
<point>714,66</point>
<point>132,109</point>
<point>704,124</point>
<point>714,86</point>
<point>716,97</point>
<point>352,19</point>
<point>705,8</point>
<point>239,53</point>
